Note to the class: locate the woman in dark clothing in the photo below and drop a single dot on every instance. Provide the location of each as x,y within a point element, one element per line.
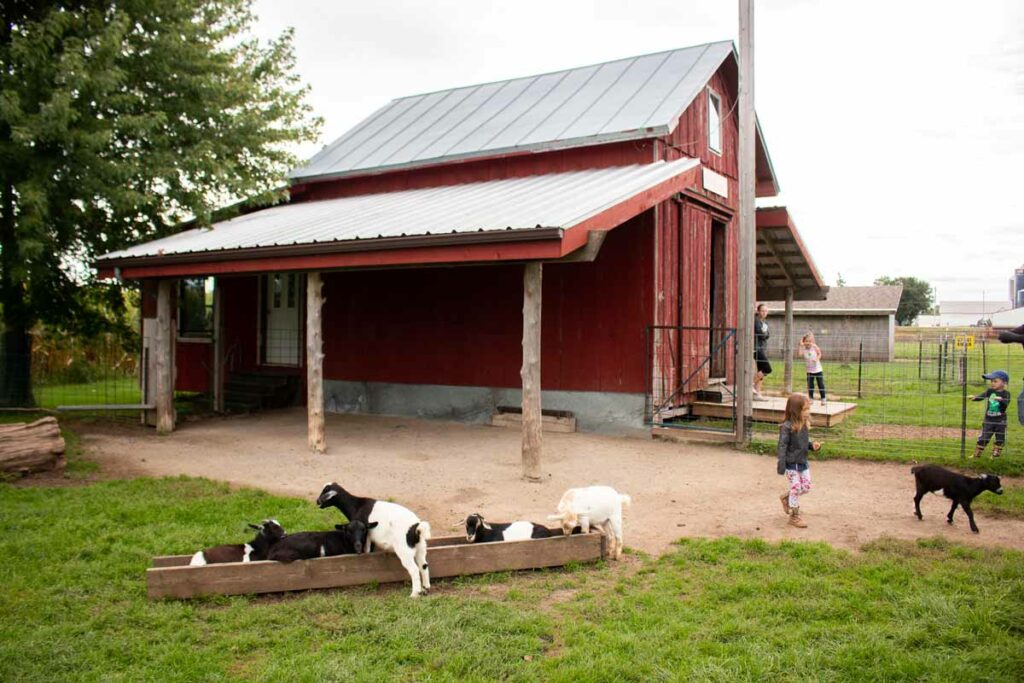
<point>761,335</point>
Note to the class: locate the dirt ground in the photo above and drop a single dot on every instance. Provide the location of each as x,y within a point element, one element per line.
<point>903,432</point>
<point>445,471</point>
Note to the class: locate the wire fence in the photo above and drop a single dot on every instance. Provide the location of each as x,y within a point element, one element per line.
<point>98,377</point>
<point>912,402</point>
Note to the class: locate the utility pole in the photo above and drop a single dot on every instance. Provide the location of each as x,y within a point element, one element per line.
<point>747,255</point>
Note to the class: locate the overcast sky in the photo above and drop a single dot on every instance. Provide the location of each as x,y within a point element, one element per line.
<point>896,128</point>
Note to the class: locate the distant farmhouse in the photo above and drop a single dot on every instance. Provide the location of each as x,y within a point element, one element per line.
<point>848,317</point>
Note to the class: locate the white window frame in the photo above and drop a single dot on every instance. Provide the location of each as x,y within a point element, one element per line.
<point>715,145</point>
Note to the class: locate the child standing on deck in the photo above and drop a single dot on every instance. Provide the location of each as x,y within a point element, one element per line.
<point>794,443</point>
<point>997,399</point>
<point>812,357</point>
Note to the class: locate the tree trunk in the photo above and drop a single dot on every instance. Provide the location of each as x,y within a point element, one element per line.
<point>16,343</point>
<point>32,447</point>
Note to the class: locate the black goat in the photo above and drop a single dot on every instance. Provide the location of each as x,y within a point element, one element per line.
<point>269,532</point>
<point>958,488</point>
<point>479,530</point>
<point>346,539</point>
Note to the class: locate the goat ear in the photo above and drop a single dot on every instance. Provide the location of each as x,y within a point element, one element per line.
<point>372,525</point>
<point>257,527</point>
<point>556,518</point>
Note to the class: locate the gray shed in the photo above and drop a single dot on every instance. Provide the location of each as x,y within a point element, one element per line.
<point>848,317</point>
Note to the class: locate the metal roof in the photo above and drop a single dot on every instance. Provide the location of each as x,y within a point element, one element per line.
<point>873,300</point>
<point>557,200</point>
<point>637,97</point>
<point>782,260</point>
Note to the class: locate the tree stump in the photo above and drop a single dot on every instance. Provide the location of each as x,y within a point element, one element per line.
<point>31,447</point>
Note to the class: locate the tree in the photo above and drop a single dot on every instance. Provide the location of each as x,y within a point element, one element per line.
<point>119,119</point>
<point>917,298</point>
<point>840,280</point>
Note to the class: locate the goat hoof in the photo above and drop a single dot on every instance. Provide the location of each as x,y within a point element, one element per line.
<point>949,522</point>
<point>975,531</point>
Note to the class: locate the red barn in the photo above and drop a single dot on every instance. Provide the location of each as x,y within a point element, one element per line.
<point>426,221</point>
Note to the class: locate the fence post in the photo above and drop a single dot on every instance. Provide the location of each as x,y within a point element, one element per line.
<point>940,367</point>
<point>921,352</point>
<point>963,403</point>
<point>984,357</point>
<point>860,365</point>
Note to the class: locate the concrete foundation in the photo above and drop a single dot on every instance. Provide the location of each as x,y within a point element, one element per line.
<point>604,412</point>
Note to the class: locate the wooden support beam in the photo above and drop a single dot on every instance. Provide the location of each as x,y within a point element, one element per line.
<point>218,346</point>
<point>788,344</point>
<point>530,373</point>
<point>746,217</point>
<point>315,362</point>
<point>163,359</point>
<point>769,243</point>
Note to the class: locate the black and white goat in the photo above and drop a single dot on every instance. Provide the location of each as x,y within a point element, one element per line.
<point>597,506</point>
<point>391,527</point>
<point>957,487</point>
<point>479,530</point>
<point>346,539</point>
<point>269,532</point>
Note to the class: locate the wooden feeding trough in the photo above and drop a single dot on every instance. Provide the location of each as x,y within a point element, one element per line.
<point>172,577</point>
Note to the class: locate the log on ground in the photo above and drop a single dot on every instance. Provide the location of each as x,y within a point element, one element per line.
<point>31,447</point>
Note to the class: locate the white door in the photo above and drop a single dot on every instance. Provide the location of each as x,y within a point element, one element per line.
<point>282,306</point>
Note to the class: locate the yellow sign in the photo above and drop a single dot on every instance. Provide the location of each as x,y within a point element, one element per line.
<point>964,341</point>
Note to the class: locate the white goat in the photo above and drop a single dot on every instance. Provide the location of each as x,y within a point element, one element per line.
<point>597,506</point>
<point>392,527</point>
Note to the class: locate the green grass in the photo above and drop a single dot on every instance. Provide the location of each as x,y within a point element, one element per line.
<point>106,391</point>
<point>1010,504</point>
<point>74,607</point>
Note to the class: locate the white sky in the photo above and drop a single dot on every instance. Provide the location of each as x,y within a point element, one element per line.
<point>896,128</point>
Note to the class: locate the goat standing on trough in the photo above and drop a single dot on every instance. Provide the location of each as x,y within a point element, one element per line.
<point>953,485</point>
<point>598,506</point>
<point>269,532</point>
<point>479,530</point>
<point>391,527</point>
<point>346,539</point>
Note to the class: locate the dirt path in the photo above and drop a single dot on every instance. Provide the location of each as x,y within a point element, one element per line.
<point>445,471</point>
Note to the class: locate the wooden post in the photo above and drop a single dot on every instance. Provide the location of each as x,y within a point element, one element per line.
<point>747,241</point>
<point>788,342</point>
<point>315,363</point>
<point>218,347</point>
<point>163,359</point>
<point>531,371</point>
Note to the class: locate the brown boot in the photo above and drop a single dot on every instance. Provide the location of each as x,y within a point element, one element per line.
<point>977,451</point>
<point>795,519</point>
<point>785,502</point>
<point>997,451</point>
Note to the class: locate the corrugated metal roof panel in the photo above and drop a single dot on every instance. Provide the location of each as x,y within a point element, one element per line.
<point>558,200</point>
<point>625,99</point>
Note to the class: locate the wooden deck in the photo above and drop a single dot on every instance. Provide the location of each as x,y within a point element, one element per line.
<point>773,409</point>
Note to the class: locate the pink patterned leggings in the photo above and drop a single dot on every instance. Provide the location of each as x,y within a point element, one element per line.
<point>799,484</point>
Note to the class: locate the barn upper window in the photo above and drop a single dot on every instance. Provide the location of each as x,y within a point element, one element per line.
<point>714,122</point>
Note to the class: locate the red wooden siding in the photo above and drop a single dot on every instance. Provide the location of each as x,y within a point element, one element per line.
<point>695,278</point>
<point>239,297</point>
<point>193,366</point>
<point>463,326</point>
<point>527,164</point>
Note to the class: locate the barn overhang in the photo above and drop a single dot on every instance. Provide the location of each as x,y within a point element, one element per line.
<point>783,262</point>
<point>536,218</point>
